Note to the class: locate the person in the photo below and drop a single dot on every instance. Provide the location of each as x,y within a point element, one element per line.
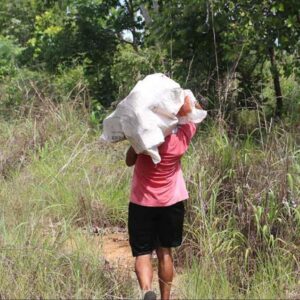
<point>156,208</point>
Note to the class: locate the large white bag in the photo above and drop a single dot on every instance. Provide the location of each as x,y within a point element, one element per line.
<point>148,114</point>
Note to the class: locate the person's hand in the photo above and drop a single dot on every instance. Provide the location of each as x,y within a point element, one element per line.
<point>198,106</point>
<point>186,108</point>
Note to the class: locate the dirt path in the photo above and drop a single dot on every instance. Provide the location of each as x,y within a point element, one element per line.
<point>112,246</point>
<point>117,253</point>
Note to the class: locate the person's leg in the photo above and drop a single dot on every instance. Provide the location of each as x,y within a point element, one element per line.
<point>141,229</point>
<point>144,271</point>
<point>170,226</point>
<point>165,271</point>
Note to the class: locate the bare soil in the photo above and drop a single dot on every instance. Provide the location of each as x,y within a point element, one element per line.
<point>111,245</point>
<point>117,254</point>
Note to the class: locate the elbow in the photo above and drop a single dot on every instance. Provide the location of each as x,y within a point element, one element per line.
<point>131,157</point>
<point>129,163</point>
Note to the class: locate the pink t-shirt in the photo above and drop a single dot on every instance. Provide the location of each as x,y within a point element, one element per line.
<point>162,184</point>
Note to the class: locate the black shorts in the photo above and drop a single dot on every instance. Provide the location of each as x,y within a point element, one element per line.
<point>152,227</point>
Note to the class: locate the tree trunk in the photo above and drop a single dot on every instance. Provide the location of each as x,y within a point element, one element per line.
<point>276,82</point>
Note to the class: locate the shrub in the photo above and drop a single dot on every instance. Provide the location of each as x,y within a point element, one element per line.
<point>9,52</point>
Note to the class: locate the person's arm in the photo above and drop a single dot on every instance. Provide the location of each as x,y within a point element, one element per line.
<point>198,106</point>
<point>131,157</point>
<point>186,108</point>
<point>185,132</point>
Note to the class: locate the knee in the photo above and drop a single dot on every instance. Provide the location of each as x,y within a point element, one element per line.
<point>142,263</point>
<point>164,254</point>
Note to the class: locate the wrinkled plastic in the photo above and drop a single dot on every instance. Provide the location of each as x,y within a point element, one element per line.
<point>149,113</point>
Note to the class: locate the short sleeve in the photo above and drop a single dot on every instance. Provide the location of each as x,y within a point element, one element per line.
<point>187,131</point>
<point>178,143</point>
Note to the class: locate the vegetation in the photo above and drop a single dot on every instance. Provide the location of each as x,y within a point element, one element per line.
<point>63,67</point>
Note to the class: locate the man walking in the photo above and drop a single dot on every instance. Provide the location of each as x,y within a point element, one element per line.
<point>156,209</point>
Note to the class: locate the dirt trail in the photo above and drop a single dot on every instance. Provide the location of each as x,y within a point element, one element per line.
<point>116,250</point>
<point>112,246</point>
<point>117,253</point>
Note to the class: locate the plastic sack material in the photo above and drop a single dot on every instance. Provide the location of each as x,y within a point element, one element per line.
<point>149,113</point>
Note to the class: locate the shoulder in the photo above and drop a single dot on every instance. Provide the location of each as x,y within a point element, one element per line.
<point>188,129</point>
<point>177,143</point>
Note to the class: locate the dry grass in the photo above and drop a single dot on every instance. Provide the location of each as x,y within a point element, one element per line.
<point>243,216</point>
<point>58,181</point>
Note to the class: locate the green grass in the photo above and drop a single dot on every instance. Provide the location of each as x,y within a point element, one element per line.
<point>216,278</point>
<point>56,194</point>
<point>58,180</point>
<point>241,230</point>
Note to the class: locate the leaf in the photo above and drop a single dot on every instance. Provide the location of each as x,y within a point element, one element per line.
<point>289,22</point>
<point>290,181</point>
<point>281,7</point>
<point>274,10</point>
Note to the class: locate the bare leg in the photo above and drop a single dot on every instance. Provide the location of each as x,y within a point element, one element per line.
<point>165,271</point>
<point>144,271</point>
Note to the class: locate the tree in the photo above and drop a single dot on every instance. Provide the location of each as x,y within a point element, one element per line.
<point>192,39</point>
<point>80,33</point>
<point>211,41</point>
<point>269,28</point>
<point>17,18</point>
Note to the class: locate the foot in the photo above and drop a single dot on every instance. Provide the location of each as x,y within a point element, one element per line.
<point>150,295</point>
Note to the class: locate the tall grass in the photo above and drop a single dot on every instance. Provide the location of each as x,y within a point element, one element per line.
<point>58,181</point>
<point>243,216</point>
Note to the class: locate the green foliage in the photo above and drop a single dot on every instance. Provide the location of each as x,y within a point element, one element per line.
<point>17,18</point>
<point>62,64</point>
<point>182,30</point>
<point>216,48</point>
<point>130,66</point>
<point>71,84</point>
<point>22,90</point>
<point>213,45</point>
<point>211,279</point>
<point>79,31</point>
<point>9,52</point>
<point>264,33</point>
<point>207,282</point>
<point>291,92</point>
<point>49,43</point>
<point>247,121</point>
<point>57,181</point>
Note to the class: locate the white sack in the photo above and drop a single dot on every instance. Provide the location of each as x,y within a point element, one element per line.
<point>148,114</point>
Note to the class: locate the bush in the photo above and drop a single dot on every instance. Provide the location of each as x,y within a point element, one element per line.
<point>130,66</point>
<point>8,54</point>
<point>70,84</point>
<point>22,90</point>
